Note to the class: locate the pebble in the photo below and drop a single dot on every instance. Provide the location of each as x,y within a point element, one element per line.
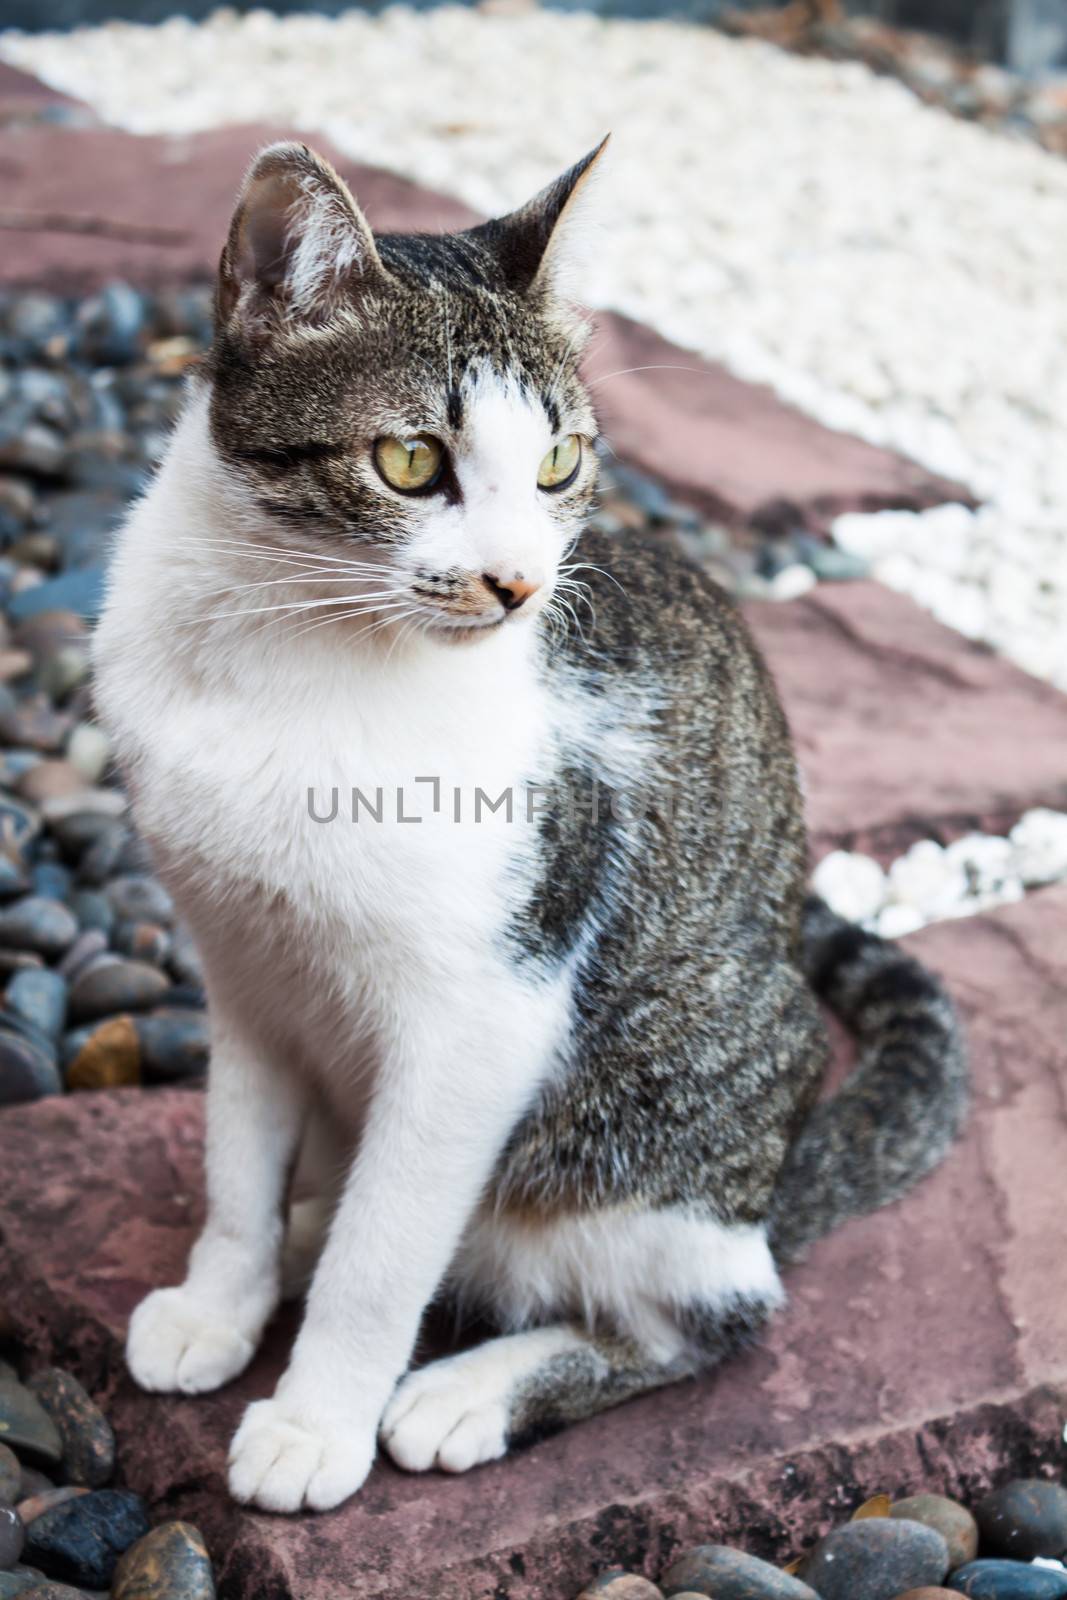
<point>1025,1518</point>
<point>40,996</point>
<point>619,1585</point>
<point>14,879</point>
<point>12,1536</point>
<point>144,941</point>
<point>61,673</point>
<point>54,1591</point>
<point>172,1563</point>
<point>38,924</point>
<point>51,880</point>
<point>853,885</point>
<point>135,898</point>
<point>102,842</point>
<point>33,722</point>
<point>92,910</point>
<point>89,751</point>
<point>1007,1580</point>
<point>26,1426</point>
<point>120,986</point>
<point>88,1442</point>
<point>19,823</point>
<point>928,1594</point>
<point>27,1070</point>
<point>185,959</point>
<point>86,947</point>
<point>932,881</point>
<point>10,1476</point>
<point>45,1500</point>
<point>110,1058</point>
<point>952,1521</point>
<point>49,778</point>
<point>22,1581</point>
<point>81,1542</point>
<point>35,1482</point>
<point>876,1559</point>
<point>725,1574</point>
<point>174,1044</point>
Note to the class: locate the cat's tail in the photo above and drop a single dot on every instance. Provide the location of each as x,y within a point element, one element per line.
<point>895,1117</point>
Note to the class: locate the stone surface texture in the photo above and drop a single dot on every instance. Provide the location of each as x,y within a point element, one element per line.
<point>833,1407</point>
<point>904,729</point>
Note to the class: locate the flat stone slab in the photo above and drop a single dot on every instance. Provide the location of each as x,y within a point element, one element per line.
<point>734,448</point>
<point>924,1347</point>
<point>154,211</point>
<point>905,729</point>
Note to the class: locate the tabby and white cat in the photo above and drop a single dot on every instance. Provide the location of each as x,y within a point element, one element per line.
<point>556,1056</point>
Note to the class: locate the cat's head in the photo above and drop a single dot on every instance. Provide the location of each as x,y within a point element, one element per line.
<point>405,406</point>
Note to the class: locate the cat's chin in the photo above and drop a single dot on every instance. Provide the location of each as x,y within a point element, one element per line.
<point>449,633</point>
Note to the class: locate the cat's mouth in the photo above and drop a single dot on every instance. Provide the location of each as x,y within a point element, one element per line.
<point>464,630</point>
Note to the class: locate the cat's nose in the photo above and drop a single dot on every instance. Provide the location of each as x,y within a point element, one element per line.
<point>512,594</point>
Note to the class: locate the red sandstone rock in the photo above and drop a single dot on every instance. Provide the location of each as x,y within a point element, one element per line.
<point>923,1348</point>
<point>904,729</point>
<point>733,447</point>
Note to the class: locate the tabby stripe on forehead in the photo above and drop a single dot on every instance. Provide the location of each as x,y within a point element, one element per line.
<point>288,455</point>
<point>551,412</point>
<point>455,408</point>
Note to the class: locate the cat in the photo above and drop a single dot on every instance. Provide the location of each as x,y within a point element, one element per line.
<point>539,1028</point>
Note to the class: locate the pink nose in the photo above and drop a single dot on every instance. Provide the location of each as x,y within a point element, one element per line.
<point>512,594</point>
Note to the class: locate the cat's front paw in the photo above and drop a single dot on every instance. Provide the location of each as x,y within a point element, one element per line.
<point>286,1459</point>
<point>177,1344</point>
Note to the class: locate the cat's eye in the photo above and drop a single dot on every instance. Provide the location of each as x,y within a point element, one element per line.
<point>410,465</point>
<point>560,467</point>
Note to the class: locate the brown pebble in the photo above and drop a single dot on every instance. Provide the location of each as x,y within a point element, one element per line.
<point>48,631</point>
<point>47,1500</point>
<point>37,549</point>
<point>952,1521</point>
<point>109,1059</point>
<point>14,664</point>
<point>49,778</point>
<point>621,1586</point>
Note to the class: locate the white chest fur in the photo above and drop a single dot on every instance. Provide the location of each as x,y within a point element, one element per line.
<point>237,737</point>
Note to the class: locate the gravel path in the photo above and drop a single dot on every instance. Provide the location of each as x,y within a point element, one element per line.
<point>893,271</point>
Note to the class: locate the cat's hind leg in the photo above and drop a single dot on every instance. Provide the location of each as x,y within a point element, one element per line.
<point>316,1187</point>
<point>649,1298</point>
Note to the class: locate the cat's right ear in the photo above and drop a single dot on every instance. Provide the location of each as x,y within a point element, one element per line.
<point>299,247</point>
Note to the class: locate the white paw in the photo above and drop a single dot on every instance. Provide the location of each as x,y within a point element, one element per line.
<point>175,1343</point>
<point>283,1459</point>
<point>445,1416</point>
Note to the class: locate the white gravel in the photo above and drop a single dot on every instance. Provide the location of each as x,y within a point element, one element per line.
<point>893,271</point>
<point>931,882</point>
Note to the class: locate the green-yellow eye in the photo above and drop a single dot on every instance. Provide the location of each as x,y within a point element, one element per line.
<point>560,467</point>
<point>410,465</point>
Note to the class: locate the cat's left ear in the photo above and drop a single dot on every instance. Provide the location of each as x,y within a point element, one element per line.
<point>538,244</point>
<point>298,246</point>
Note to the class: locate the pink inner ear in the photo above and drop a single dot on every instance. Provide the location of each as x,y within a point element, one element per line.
<point>266,242</point>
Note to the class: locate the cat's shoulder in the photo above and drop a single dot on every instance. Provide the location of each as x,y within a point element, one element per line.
<point>640,598</point>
